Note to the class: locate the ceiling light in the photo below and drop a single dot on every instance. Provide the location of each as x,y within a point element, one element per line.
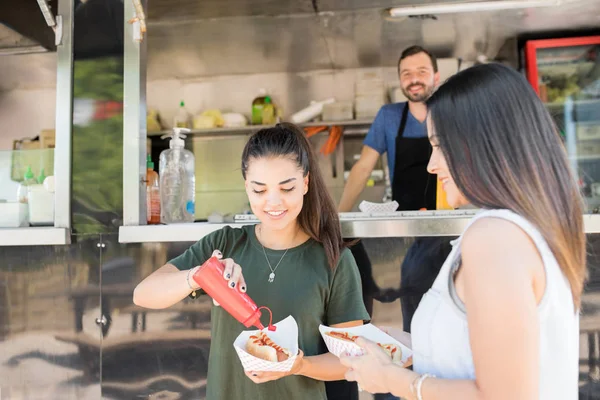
<point>48,16</point>
<point>463,7</point>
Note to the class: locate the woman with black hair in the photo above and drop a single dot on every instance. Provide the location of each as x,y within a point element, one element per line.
<point>294,261</point>
<point>502,318</point>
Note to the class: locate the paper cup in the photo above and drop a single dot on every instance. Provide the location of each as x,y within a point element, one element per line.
<point>339,347</point>
<point>285,336</point>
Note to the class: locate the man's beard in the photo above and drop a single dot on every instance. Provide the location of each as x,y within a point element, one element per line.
<point>418,97</point>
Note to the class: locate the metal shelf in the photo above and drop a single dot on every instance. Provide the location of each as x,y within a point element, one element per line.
<point>576,103</point>
<point>434,223</point>
<point>585,158</point>
<point>34,236</point>
<point>584,111</point>
<point>247,130</point>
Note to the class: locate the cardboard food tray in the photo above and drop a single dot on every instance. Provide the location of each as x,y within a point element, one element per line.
<point>370,207</point>
<point>285,336</point>
<point>338,346</point>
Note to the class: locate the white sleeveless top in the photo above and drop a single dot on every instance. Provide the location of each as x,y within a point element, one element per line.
<point>440,335</point>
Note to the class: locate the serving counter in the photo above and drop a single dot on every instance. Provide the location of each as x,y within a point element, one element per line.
<point>354,225</point>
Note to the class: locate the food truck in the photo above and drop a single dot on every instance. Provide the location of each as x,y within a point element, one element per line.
<point>89,88</point>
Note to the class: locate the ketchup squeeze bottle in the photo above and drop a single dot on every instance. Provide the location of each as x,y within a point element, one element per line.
<point>210,278</point>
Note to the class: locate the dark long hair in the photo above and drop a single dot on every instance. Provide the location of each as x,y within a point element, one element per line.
<point>318,217</point>
<point>504,151</point>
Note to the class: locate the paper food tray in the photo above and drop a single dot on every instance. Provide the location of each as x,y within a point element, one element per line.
<point>338,346</point>
<point>369,207</point>
<point>285,336</point>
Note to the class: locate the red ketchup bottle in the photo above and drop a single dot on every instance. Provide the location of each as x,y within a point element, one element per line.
<point>210,278</point>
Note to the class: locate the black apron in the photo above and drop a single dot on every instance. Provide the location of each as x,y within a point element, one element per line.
<point>414,188</point>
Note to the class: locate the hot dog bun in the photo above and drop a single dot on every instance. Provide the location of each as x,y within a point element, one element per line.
<point>395,352</point>
<point>342,336</point>
<point>261,346</point>
<point>392,350</point>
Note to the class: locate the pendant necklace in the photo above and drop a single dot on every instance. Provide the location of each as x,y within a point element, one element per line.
<point>272,274</point>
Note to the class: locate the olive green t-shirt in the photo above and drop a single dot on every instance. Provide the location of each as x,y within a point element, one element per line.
<point>305,287</point>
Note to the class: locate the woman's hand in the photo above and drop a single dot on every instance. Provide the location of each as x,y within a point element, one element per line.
<point>370,370</point>
<point>267,376</point>
<point>402,337</point>
<point>232,273</point>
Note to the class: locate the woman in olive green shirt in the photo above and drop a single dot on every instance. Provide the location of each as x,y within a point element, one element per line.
<point>294,262</point>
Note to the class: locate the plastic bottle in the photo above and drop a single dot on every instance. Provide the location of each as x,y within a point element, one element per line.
<point>152,193</point>
<point>177,180</point>
<point>268,112</point>
<point>312,111</point>
<point>41,177</point>
<point>41,201</point>
<point>441,200</point>
<point>257,108</point>
<point>210,278</point>
<point>182,118</point>
<point>23,190</point>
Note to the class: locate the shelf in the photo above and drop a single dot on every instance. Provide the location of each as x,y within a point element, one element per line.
<point>247,130</point>
<point>169,233</point>
<point>585,158</point>
<point>354,225</point>
<point>365,228</point>
<point>576,103</point>
<point>584,111</point>
<point>34,236</point>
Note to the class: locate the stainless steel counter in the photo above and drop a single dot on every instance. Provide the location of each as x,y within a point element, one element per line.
<point>354,225</point>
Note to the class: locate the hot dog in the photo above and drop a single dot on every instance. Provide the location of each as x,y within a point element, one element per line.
<point>395,352</point>
<point>342,336</point>
<point>392,350</point>
<point>262,346</point>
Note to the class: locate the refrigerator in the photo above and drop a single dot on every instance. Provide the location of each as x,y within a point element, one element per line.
<point>565,73</point>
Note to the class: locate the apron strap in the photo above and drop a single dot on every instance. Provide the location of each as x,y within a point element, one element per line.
<point>403,120</point>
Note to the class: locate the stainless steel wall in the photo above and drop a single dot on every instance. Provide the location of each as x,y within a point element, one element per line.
<point>69,329</point>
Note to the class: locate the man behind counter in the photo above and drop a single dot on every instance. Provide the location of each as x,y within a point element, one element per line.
<point>399,130</point>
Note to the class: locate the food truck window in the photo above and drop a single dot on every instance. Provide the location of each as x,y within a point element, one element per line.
<point>213,85</point>
<point>35,121</point>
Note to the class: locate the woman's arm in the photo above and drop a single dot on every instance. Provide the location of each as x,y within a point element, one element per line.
<point>345,303</point>
<point>326,367</point>
<point>163,288</point>
<point>501,289</point>
<point>168,285</point>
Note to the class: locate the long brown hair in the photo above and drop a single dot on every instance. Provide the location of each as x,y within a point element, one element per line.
<point>318,217</point>
<point>504,151</point>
